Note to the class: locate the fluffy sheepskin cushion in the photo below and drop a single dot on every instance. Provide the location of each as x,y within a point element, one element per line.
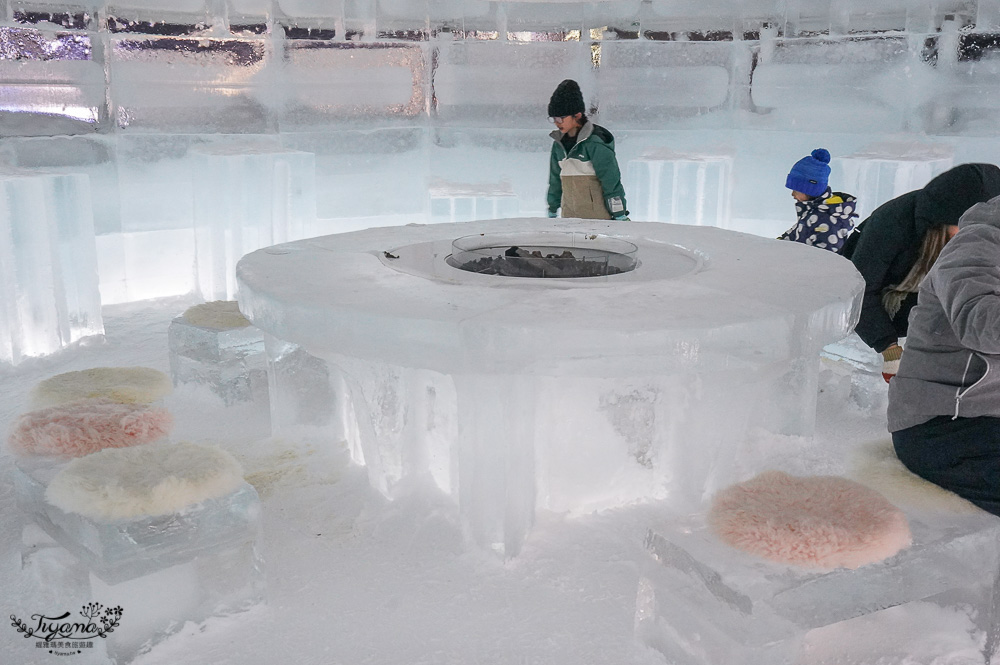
<point>145,481</point>
<point>86,426</point>
<point>877,466</point>
<point>128,385</point>
<point>217,315</point>
<point>821,522</point>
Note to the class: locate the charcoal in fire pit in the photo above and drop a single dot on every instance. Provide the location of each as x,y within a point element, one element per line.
<point>518,262</point>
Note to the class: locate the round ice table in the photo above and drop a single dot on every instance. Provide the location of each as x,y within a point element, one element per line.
<point>564,394</point>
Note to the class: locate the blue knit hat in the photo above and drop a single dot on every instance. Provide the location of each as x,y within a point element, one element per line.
<point>810,174</point>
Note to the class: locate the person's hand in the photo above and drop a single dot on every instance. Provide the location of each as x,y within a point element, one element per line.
<point>890,361</point>
<point>553,213</point>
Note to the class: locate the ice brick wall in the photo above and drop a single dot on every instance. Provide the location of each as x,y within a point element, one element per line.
<point>392,97</point>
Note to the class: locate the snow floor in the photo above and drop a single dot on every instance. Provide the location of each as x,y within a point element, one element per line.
<point>353,578</point>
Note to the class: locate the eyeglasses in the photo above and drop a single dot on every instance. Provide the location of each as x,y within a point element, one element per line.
<point>557,118</point>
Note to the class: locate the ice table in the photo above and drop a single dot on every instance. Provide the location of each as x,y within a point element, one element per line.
<point>49,294</point>
<point>567,394</point>
<point>882,171</point>
<point>701,602</point>
<point>246,197</point>
<point>680,187</point>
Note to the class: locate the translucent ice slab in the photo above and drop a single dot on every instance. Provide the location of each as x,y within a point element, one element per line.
<point>669,186</point>
<point>702,602</point>
<point>48,263</point>
<point>883,171</point>
<point>459,202</point>
<point>571,394</point>
<point>246,196</point>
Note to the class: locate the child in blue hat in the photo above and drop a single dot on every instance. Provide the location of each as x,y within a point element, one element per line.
<point>825,217</point>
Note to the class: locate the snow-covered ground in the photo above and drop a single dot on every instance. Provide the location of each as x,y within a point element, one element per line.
<point>353,578</point>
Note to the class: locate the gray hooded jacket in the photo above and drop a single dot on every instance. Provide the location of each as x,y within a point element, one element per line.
<point>951,363</point>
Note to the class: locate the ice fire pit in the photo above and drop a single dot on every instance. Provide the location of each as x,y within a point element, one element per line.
<point>640,378</point>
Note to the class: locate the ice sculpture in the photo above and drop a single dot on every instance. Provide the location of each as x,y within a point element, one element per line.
<point>246,196</point>
<point>48,263</point>
<point>193,564</point>
<point>670,186</point>
<point>224,353</point>
<point>568,394</point>
<point>883,171</point>
<point>460,202</point>
<point>701,602</point>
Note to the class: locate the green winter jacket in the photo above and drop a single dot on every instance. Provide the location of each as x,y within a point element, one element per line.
<point>586,182</point>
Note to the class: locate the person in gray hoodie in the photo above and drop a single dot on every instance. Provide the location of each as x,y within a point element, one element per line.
<point>944,404</point>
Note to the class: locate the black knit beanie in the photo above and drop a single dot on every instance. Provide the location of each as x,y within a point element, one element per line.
<point>566,100</point>
<point>948,195</point>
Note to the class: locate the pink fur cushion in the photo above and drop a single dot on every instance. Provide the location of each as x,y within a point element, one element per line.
<point>819,521</point>
<point>86,426</point>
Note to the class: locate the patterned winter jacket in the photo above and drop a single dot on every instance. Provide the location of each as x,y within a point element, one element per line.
<point>824,221</point>
<point>586,182</point>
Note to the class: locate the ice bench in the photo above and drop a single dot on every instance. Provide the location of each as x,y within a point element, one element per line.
<point>701,601</point>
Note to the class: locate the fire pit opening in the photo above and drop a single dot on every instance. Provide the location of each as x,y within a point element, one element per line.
<point>543,254</point>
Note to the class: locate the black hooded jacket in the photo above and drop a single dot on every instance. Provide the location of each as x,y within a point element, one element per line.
<point>886,245</point>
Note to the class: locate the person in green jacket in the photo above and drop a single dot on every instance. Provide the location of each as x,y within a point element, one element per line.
<point>584,178</point>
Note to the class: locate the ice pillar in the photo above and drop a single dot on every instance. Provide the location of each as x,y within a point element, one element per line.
<point>681,188</point>
<point>245,198</point>
<point>48,263</point>
<point>883,171</point>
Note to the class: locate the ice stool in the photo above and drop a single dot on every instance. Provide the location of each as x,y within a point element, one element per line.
<point>702,601</point>
<point>213,344</point>
<point>44,440</point>
<point>169,533</point>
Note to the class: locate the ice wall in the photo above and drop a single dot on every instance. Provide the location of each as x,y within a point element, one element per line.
<point>394,98</point>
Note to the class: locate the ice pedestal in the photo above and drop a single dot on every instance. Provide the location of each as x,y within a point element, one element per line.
<point>570,394</point>
<point>683,188</point>
<point>458,202</point>
<point>163,571</point>
<point>230,361</point>
<point>702,602</point>
<point>883,171</point>
<point>48,263</point>
<point>300,388</point>
<point>246,197</point>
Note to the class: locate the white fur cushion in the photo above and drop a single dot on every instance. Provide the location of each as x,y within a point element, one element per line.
<point>125,385</point>
<point>818,521</point>
<point>217,315</point>
<point>126,483</point>
<point>876,465</point>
